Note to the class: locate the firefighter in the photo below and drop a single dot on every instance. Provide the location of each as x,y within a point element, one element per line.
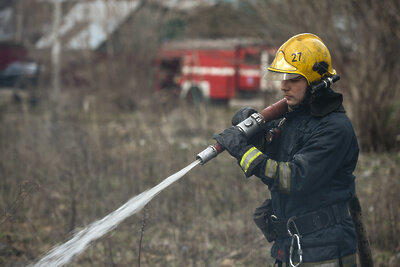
<point>306,159</point>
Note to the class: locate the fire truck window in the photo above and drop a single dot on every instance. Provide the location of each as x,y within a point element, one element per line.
<point>252,59</point>
<point>170,73</point>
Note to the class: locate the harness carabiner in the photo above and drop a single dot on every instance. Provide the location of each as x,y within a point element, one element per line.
<point>291,221</point>
<point>297,237</point>
<point>299,251</point>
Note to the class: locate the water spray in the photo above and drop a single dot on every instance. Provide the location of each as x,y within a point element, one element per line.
<point>64,253</point>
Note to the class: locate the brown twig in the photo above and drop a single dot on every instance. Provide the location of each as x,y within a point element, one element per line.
<point>141,234</point>
<point>26,188</point>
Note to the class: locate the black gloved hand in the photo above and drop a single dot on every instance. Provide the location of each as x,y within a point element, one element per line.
<point>234,141</point>
<point>258,139</point>
<point>242,114</point>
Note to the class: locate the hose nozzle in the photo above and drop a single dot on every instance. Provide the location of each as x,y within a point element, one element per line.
<point>209,153</point>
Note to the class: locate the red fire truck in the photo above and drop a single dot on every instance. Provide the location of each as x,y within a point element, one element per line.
<point>213,69</point>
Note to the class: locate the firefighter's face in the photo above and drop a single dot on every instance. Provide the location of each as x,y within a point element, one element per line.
<point>294,90</point>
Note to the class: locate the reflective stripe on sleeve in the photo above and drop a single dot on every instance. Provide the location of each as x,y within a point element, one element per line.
<point>284,176</point>
<point>249,157</point>
<point>270,168</point>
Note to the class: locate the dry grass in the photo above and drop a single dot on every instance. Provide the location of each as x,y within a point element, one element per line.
<point>63,167</point>
<point>378,186</point>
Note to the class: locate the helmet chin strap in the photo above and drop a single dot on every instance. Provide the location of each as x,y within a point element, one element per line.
<point>305,102</point>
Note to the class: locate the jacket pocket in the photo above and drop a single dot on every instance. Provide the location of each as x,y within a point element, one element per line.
<point>262,218</point>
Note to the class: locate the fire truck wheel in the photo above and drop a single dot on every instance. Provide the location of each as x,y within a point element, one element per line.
<point>194,95</point>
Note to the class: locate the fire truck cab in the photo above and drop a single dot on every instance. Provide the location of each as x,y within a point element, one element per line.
<point>213,69</point>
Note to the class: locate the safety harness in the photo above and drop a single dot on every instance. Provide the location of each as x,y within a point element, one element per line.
<point>310,222</point>
<point>297,226</point>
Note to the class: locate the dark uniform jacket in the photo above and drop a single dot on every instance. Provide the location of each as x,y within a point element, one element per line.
<point>309,167</point>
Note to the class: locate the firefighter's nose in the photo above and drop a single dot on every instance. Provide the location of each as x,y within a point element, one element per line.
<point>284,85</point>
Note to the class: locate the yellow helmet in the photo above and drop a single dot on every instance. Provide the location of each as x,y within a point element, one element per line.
<point>304,54</point>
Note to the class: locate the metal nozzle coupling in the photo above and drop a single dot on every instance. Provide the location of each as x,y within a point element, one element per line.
<point>207,154</point>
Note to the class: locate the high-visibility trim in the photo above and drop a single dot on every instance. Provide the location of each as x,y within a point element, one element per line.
<point>270,168</point>
<point>249,72</point>
<point>218,71</point>
<point>348,261</point>
<point>246,154</point>
<point>215,71</point>
<point>249,157</point>
<point>284,176</point>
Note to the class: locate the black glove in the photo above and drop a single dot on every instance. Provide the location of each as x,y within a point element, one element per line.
<point>234,141</point>
<point>258,139</point>
<point>242,114</point>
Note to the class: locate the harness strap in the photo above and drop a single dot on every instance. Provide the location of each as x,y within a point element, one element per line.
<point>313,221</point>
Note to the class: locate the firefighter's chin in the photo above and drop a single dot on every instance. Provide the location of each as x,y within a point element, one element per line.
<point>290,100</point>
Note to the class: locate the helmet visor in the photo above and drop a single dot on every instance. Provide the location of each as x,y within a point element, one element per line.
<point>279,76</point>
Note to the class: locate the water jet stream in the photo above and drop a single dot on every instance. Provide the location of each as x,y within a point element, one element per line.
<point>64,253</point>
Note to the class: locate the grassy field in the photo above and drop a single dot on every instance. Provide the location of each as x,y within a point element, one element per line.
<point>64,166</point>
